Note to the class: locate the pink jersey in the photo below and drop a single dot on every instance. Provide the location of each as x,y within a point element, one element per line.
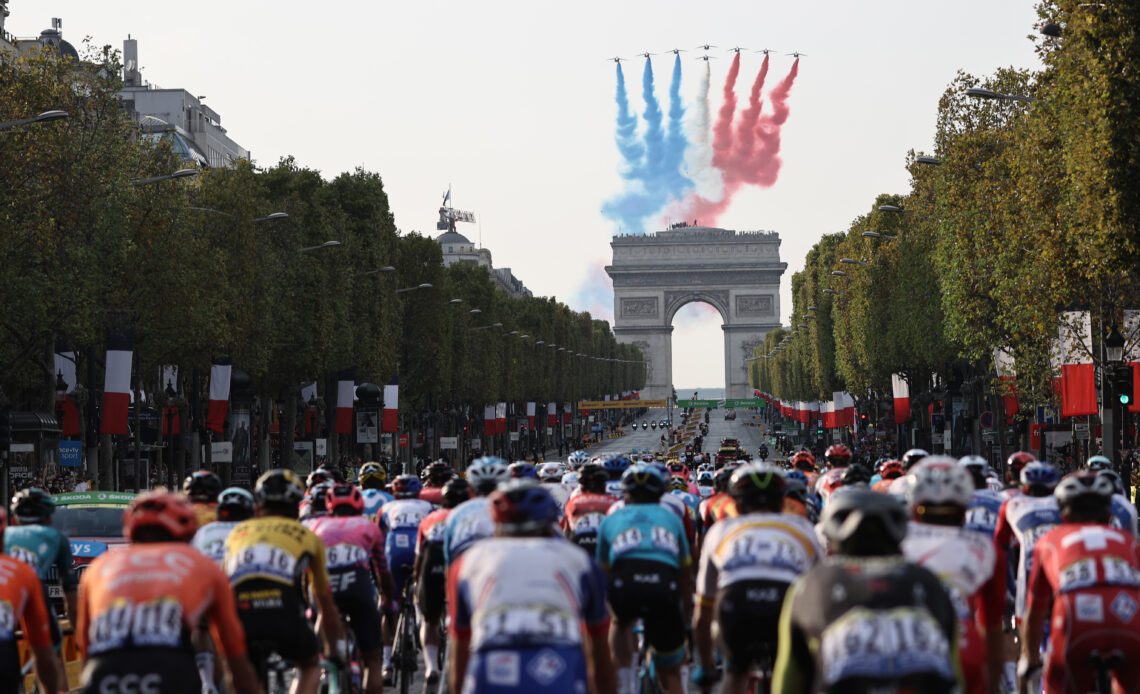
<point>353,542</point>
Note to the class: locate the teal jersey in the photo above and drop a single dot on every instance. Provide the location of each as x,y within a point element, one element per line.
<point>643,531</point>
<point>41,547</point>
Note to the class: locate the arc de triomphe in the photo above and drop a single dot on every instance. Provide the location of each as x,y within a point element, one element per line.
<point>654,275</point>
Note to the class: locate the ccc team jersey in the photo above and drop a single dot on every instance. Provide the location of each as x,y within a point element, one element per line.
<point>649,532</point>
<point>21,604</point>
<point>757,546</point>
<point>275,550</point>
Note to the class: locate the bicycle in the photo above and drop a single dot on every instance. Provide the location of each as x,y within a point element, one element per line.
<point>405,644</point>
<point>346,678</point>
<point>273,673</point>
<point>1105,664</point>
<point>647,682</point>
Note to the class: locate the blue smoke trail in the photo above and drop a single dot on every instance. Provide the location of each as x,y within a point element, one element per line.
<point>676,142</point>
<point>654,135</point>
<point>631,150</point>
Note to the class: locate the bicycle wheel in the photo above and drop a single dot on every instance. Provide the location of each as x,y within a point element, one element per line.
<point>407,635</point>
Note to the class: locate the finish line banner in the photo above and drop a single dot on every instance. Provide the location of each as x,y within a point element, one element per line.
<point>619,404</point>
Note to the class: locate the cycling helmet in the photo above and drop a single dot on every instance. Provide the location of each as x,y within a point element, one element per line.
<point>757,487</point>
<point>643,482</point>
<point>837,455</point>
<point>455,492</point>
<point>344,500</point>
<point>1098,463</point>
<point>1113,477</point>
<point>678,468</point>
<point>486,473</point>
<point>316,497</point>
<point>797,476</point>
<point>570,480</point>
<point>860,522</point>
<point>522,470</point>
<point>406,487</point>
<point>938,481</point>
<point>803,460</point>
<point>1016,461</point>
<point>33,505</point>
<point>704,479</point>
<point>892,469</point>
<point>523,506</point>
<point>372,475</point>
<point>332,471</point>
<point>722,477</point>
<point>660,467</point>
<point>880,462</point>
<point>278,486</point>
<point>577,459</point>
<point>1086,492</point>
<point>171,513</point>
<point>616,466</point>
<point>855,474</point>
<point>592,478</point>
<point>202,486</point>
<point>235,504</point>
<point>437,474</point>
<point>677,484</point>
<point>318,476</point>
<point>797,491</point>
<point>911,457</point>
<point>1039,479</point>
<point>550,472</point>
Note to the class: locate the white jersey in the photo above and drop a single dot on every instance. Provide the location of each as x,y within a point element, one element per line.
<point>211,539</point>
<point>1123,514</point>
<point>964,560</point>
<point>756,547</point>
<point>560,494</point>
<point>1023,520</point>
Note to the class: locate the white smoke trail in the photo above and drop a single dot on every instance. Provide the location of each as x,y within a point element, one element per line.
<point>698,160</point>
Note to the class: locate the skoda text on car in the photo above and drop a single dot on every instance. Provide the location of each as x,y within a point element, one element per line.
<point>93,522</point>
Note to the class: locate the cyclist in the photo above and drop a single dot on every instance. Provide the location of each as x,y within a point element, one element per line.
<point>746,566</point>
<point>865,619</point>
<point>643,548</point>
<point>680,489</point>
<point>719,505</point>
<point>550,475</point>
<point>1089,572</point>
<point>889,471</point>
<point>615,467</point>
<point>22,603</point>
<point>798,499</point>
<point>1123,510</point>
<point>355,560</point>
<point>804,461</point>
<point>1013,466</point>
<point>313,504</point>
<point>269,560</point>
<point>939,496</point>
<point>1025,518</point>
<point>838,456</point>
<point>985,504</point>
<point>584,512</point>
<point>470,521</point>
<point>373,477</point>
<point>435,476</point>
<point>528,611</point>
<point>705,484</point>
<point>139,605</point>
<point>400,522</point>
<point>234,506</point>
<point>909,459</point>
<point>430,572</point>
<point>577,459</point>
<point>203,488</point>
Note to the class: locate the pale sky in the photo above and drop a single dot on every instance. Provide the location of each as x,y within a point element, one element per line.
<point>512,103</point>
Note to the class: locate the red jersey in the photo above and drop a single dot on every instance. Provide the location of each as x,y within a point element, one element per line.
<point>586,508</point>
<point>432,527</point>
<point>716,507</point>
<point>432,495</point>
<point>153,596</point>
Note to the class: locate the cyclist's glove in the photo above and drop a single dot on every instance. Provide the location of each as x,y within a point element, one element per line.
<point>704,678</point>
<point>340,651</point>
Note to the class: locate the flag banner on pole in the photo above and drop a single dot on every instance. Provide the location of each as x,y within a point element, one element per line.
<point>501,418</point>
<point>170,415</point>
<point>1078,377</point>
<point>530,411</point>
<point>66,406</point>
<point>844,408</point>
<point>567,413</point>
<point>309,392</point>
<point>489,420</point>
<point>219,396</point>
<point>1007,377</point>
<point>117,384</point>
<point>345,394</point>
<point>391,418</point>
<point>551,414</point>
<point>900,389</point>
<point>168,377</point>
<point>1132,354</point>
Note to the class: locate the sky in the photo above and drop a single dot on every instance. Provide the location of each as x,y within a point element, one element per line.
<point>511,103</point>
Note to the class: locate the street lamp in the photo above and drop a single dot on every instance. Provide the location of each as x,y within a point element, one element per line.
<point>927,160</point>
<point>405,290</point>
<point>272,217</point>
<point>326,244</point>
<point>386,269</point>
<point>1114,346</point>
<point>44,117</point>
<point>838,273</point>
<point>833,292</point>
<point>877,234</point>
<point>852,261</point>
<point>812,308</point>
<point>890,208</point>
<point>181,173</point>
<point>475,311</point>
<point>455,301</point>
<point>983,93</point>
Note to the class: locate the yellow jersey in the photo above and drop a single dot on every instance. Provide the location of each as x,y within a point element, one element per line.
<point>275,549</point>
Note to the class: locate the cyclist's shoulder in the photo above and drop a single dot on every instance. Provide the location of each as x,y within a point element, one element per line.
<point>15,575</point>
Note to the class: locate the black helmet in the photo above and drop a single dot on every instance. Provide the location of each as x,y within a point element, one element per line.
<point>860,522</point>
<point>856,473</point>
<point>437,474</point>
<point>912,457</point>
<point>235,504</point>
<point>32,505</point>
<point>202,486</point>
<point>757,487</point>
<point>723,476</point>
<point>643,482</point>
<point>279,486</point>
<point>592,478</point>
<point>455,492</point>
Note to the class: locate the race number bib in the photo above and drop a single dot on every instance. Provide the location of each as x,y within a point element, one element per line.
<point>536,623</point>
<point>7,621</point>
<point>750,550</point>
<point>343,555</point>
<point>981,517</point>
<point>625,541</point>
<point>588,524</point>
<point>26,556</point>
<point>1079,574</point>
<point>886,644</point>
<point>1119,572</point>
<point>262,560</point>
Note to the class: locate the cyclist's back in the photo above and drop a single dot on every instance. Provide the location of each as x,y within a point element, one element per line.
<point>234,506</point>
<point>400,520</point>
<point>22,605</point>
<point>471,520</point>
<point>41,547</point>
<point>1025,518</point>
<point>585,511</point>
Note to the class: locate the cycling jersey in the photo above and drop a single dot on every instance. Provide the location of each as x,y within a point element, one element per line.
<point>560,494</point>
<point>1091,574</point>
<point>650,532</point>
<point>355,552</point>
<point>267,560</point>
<point>973,573</point>
<point>983,511</point>
<point>468,523</point>
<point>137,608</point>
<point>400,521</point>
<point>584,515</point>
<point>678,507</point>
<point>1123,514</point>
<point>211,539</point>
<point>374,500</point>
<point>524,603</point>
<point>42,547</point>
<point>432,495</point>
<point>613,488</point>
<point>863,625</point>
<point>716,507</point>
<point>432,582</point>
<point>828,482</point>
<point>21,604</point>
<point>206,512</point>
<point>692,505</point>
<point>883,486</point>
<point>1024,519</point>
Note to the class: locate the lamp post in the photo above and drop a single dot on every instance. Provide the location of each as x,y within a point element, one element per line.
<point>45,117</point>
<point>180,173</point>
<point>983,93</point>
<point>1110,417</point>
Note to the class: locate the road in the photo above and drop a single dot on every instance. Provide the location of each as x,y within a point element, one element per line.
<point>640,439</point>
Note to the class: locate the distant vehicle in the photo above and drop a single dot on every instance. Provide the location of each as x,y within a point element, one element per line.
<point>664,424</point>
<point>653,425</point>
<point>730,442</point>
<point>93,522</point>
<point>730,415</point>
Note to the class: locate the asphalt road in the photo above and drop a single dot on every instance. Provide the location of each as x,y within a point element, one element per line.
<point>750,436</point>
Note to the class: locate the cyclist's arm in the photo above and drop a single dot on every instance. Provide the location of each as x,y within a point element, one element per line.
<point>990,616</point>
<point>458,629</point>
<point>381,572</point>
<point>64,567</point>
<point>34,622</point>
<point>794,671</point>
<point>81,616</point>
<point>330,625</point>
<point>227,632</point>
<point>1036,610</point>
<point>705,607</point>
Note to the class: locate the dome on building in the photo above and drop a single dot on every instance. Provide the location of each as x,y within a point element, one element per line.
<point>452,237</point>
<point>54,38</point>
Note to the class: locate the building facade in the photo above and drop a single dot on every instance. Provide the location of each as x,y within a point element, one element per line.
<point>457,248</point>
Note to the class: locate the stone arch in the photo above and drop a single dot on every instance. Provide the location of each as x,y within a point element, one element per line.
<point>675,301</point>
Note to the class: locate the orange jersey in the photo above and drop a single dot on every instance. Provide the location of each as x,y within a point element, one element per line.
<point>21,600</point>
<point>153,595</point>
<point>206,512</point>
<point>883,485</point>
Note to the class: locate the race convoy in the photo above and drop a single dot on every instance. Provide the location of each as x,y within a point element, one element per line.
<point>671,570</point>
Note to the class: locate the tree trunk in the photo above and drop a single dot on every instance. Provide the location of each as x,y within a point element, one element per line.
<point>288,426</point>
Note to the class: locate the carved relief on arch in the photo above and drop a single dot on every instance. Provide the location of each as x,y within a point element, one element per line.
<point>717,297</point>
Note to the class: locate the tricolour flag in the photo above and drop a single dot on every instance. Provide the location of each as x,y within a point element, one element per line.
<point>1007,376</point>
<point>65,399</point>
<point>219,396</point>
<point>391,419</point>
<point>530,408</point>
<point>501,418</point>
<point>489,420</point>
<point>345,395</point>
<point>551,414</point>
<point>900,389</point>
<point>1074,354</point>
<point>117,384</point>
<point>844,408</point>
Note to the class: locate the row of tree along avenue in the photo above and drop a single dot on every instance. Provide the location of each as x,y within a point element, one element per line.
<point>999,296</point>
<point>213,298</point>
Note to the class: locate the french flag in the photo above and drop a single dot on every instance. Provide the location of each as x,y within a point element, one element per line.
<point>391,419</point>
<point>901,391</point>
<point>117,384</point>
<point>827,413</point>
<point>1007,376</point>
<point>65,399</point>
<point>530,408</point>
<point>219,395</point>
<point>567,413</point>
<point>345,394</point>
<point>1078,378</point>
<point>489,420</point>
<point>551,414</point>
<point>309,393</point>
<point>1132,353</point>
<point>844,408</point>
<point>501,418</point>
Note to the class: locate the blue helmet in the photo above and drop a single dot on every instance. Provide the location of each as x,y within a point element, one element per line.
<point>523,505</point>
<point>643,480</point>
<point>1039,479</point>
<point>616,466</point>
<point>406,487</point>
<point>659,467</point>
<point>522,470</point>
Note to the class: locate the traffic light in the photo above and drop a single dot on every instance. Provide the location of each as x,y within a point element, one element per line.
<point>5,430</point>
<point>1124,384</point>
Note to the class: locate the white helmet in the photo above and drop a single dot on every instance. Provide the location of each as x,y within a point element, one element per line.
<point>570,480</point>
<point>577,459</point>
<point>487,471</point>
<point>550,472</point>
<point>939,480</point>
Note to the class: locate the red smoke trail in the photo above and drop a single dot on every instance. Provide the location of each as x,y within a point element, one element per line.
<point>765,167</point>
<point>745,131</point>
<point>722,131</point>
